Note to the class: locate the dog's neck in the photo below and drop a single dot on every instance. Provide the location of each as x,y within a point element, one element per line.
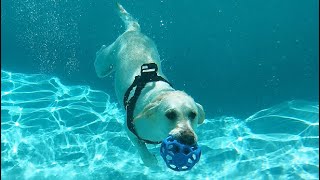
<point>151,91</point>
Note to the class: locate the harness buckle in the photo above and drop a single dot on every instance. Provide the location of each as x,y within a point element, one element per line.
<point>149,68</point>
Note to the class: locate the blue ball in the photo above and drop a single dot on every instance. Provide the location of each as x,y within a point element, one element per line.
<point>178,156</point>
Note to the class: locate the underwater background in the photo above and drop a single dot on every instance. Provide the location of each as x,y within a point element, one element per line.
<point>253,65</point>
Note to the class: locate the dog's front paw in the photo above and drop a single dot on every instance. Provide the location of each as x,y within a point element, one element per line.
<point>150,160</point>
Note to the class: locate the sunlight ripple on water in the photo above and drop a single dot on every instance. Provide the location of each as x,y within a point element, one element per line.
<point>50,130</point>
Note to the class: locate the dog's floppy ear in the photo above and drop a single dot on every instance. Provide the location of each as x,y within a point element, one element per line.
<point>150,109</point>
<point>201,113</point>
<point>147,112</point>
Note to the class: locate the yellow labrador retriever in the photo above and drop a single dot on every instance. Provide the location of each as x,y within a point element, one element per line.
<point>154,109</point>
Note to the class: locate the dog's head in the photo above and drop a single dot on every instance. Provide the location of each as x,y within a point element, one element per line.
<point>173,113</point>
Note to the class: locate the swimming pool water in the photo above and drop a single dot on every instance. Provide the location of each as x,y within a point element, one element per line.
<point>53,131</point>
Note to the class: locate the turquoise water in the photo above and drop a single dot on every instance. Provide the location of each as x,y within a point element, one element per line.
<point>49,130</point>
<point>253,66</point>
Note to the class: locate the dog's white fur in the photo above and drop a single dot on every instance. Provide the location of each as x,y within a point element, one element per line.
<point>125,56</point>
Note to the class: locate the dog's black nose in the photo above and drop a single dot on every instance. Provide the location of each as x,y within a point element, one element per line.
<point>187,137</point>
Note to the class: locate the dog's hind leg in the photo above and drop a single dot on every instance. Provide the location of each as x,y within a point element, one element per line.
<point>105,57</point>
<point>130,23</point>
<point>104,63</point>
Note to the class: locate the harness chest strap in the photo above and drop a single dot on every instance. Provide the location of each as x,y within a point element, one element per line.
<point>148,74</point>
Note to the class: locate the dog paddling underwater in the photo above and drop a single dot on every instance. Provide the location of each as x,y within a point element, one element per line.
<point>156,112</point>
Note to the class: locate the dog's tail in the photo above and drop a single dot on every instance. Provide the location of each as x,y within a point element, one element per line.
<point>130,23</point>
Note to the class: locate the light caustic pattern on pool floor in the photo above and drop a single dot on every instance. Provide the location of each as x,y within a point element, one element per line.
<point>53,131</point>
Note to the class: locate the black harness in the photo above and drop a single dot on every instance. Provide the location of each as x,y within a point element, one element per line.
<point>148,74</point>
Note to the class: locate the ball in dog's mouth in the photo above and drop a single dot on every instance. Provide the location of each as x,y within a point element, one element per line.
<point>179,156</point>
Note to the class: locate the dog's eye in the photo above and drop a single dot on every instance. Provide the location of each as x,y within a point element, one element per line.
<point>192,115</point>
<point>172,115</point>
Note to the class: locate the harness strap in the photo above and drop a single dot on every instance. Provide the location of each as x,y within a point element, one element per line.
<point>148,74</point>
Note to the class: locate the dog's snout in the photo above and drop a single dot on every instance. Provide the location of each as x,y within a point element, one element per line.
<point>187,137</point>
